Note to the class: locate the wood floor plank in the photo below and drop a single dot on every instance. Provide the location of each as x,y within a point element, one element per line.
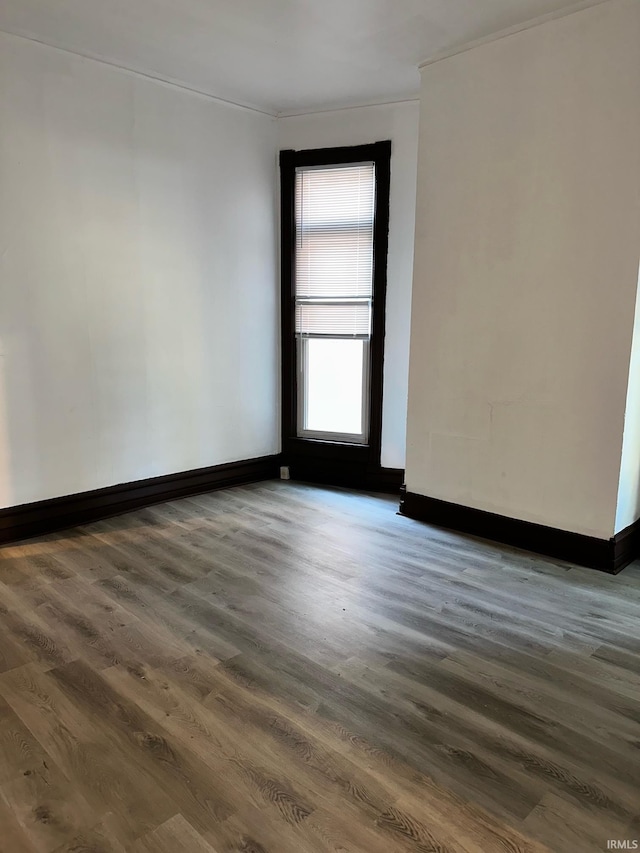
<point>44,802</point>
<point>15,838</point>
<point>101,768</point>
<point>281,668</point>
<point>95,840</point>
<point>173,836</point>
<point>561,822</point>
<point>183,778</point>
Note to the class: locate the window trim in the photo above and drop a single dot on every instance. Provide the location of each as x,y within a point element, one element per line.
<point>297,447</point>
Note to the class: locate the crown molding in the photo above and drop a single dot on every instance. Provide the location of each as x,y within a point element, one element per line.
<point>308,111</point>
<point>510,31</point>
<point>362,105</point>
<point>177,84</point>
<point>135,72</point>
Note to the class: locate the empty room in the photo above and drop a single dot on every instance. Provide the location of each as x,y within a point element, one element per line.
<point>319,426</point>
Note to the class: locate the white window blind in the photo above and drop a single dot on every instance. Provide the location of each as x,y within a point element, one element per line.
<point>334,250</point>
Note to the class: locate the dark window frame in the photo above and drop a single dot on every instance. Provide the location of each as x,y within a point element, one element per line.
<point>313,458</point>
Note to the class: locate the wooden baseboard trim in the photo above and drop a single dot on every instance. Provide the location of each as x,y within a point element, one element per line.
<point>36,519</point>
<point>388,480</point>
<point>626,546</point>
<point>349,475</point>
<point>606,555</point>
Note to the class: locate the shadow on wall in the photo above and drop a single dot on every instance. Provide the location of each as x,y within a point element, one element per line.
<point>6,491</point>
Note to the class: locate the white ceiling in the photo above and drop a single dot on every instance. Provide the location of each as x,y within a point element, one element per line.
<point>277,55</point>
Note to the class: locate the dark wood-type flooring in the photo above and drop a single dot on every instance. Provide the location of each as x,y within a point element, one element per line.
<point>286,669</point>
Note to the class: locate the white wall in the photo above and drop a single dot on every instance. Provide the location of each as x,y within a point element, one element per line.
<point>526,269</point>
<point>399,123</point>
<point>138,286</point>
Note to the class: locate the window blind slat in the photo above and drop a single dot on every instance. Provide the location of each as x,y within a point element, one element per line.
<point>340,320</point>
<point>334,247</point>
<point>335,263</point>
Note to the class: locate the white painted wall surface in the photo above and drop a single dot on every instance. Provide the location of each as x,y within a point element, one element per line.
<point>138,287</point>
<point>399,123</point>
<point>526,270</point>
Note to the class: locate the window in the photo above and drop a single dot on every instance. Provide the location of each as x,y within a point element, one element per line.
<point>334,208</point>
<point>334,240</point>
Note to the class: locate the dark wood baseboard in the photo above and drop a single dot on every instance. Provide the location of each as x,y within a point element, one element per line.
<point>35,519</point>
<point>352,475</point>
<point>606,555</point>
<point>385,480</point>
<point>626,546</point>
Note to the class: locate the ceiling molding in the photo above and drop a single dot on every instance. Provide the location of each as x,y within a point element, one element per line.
<point>510,31</point>
<point>409,99</point>
<point>405,91</point>
<point>156,78</point>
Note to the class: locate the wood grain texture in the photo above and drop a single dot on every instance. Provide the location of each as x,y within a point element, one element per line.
<point>279,668</point>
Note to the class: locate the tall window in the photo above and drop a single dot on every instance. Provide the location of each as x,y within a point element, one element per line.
<point>333,295</point>
<point>335,207</point>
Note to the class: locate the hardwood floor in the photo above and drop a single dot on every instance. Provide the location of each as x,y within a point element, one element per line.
<point>286,669</point>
